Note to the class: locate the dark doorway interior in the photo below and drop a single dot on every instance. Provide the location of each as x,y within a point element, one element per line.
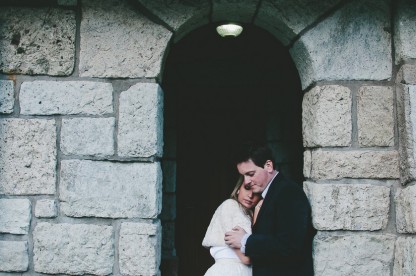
<point>219,91</point>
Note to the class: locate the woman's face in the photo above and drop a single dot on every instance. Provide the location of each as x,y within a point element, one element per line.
<point>246,196</point>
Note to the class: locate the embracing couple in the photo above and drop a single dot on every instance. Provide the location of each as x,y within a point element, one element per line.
<point>265,228</point>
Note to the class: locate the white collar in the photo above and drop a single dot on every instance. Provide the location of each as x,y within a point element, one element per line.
<point>263,194</point>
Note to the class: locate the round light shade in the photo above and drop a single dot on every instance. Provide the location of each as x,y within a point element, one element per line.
<point>229,30</point>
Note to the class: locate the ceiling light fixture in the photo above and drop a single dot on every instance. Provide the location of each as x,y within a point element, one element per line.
<point>229,30</point>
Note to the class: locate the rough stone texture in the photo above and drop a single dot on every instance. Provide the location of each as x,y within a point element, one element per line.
<point>234,11</point>
<point>326,117</point>
<point>356,42</point>
<point>285,19</point>
<point>67,2</point>
<point>362,254</point>
<point>46,208</point>
<point>405,30</point>
<point>66,97</point>
<point>140,131</point>
<point>37,41</point>
<point>406,210</point>
<point>73,249</point>
<point>27,156</point>
<point>375,106</point>
<point>181,16</point>
<point>88,136</point>
<point>353,164</point>
<point>136,47</point>
<point>169,176</point>
<point>110,189</point>
<point>15,216</point>
<point>6,96</point>
<point>407,74</point>
<point>406,110</point>
<point>404,257</point>
<point>14,256</point>
<point>139,248</point>
<point>348,207</point>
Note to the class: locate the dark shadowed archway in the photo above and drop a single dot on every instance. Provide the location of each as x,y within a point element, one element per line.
<point>219,91</point>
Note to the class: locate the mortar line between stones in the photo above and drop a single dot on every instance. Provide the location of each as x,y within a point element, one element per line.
<point>78,16</point>
<point>256,12</point>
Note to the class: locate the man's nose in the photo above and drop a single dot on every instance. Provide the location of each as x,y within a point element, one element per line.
<point>247,179</point>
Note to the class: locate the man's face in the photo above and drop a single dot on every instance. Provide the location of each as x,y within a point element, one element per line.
<point>255,176</point>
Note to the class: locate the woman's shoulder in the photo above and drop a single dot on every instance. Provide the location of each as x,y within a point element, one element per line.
<point>229,203</point>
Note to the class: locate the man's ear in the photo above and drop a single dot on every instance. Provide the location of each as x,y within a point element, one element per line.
<point>269,166</point>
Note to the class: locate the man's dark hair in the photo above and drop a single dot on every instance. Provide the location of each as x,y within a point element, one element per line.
<point>259,153</point>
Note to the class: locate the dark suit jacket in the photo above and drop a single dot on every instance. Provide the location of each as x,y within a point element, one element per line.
<point>281,243</point>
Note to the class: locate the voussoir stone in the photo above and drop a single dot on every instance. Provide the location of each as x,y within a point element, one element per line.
<point>348,206</point>
<point>357,45</point>
<point>406,210</point>
<point>66,97</point>
<point>326,117</point>
<point>15,216</point>
<point>405,31</point>
<point>361,254</point>
<point>327,164</point>
<point>139,248</point>
<point>28,156</point>
<point>74,249</point>
<point>136,47</point>
<point>110,189</point>
<point>6,96</point>
<point>234,11</point>
<point>140,130</point>
<point>37,41</point>
<point>14,256</point>
<point>405,256</point>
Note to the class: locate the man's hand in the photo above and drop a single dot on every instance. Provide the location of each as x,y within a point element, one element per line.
<point>233,237</point>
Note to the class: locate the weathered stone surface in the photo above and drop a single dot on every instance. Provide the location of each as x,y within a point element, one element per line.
<point>169,176</point>
<point>140,130</point>
<point>405,30</point>
<point>88,136</point>
<point>110,189</point>
<point>28,156</point>
<point>6,96</point>
<point>37,41</point>
<point>74,249</point>
<point>406,210</point>
<point>234,11</point>
<point>356,42</point>
<point>139,248</point>
<point>136,47</point>
<point>15,216</point>
<point>14,256</point>
<point>326,117</point>
<point>46,208</point>
<point>66,97</point>
<point>353,164</point>
<point>375,106</point>
<point>362,254</point>
<point>407,74</point>
<point>67,2</point>
<point>285,19</point>
<point>348,206</point>
<point>404,257</point>
<point>181,16</point>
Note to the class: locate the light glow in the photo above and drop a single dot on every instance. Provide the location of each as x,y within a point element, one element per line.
<point>229,30</point>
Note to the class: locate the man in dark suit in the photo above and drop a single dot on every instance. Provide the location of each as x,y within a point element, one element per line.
<point>281,243</point>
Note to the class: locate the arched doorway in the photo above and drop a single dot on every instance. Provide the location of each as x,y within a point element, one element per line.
<point>219,91</point>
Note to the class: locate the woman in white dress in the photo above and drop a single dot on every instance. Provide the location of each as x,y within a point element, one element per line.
<point>238,210</point>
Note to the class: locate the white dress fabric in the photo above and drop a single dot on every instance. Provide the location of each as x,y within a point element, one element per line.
<point>228,215</point>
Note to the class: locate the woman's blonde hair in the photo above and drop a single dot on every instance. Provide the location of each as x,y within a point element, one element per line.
<point>234,195</point>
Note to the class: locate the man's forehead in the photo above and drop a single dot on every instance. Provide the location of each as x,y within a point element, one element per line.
<point>246,166</point>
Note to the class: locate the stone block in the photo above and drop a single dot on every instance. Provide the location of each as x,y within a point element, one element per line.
<point>110,189</point>
<point>28,156</point>
<point>140,129</point>
<point>169,176</point>
<point>326,117</point>
<point>405,256</point>
<point>66,97</point>
<point>37,41</point>
<point>406,210</point>
<point>136,47</point>
<point>88,136</point>
<point>353,164</point>
<point>74,249</point>
<point>361,254</point>
<point>234,11</point>
<point>15,216</point>
<point>357,45</point>
<point>405,30</point>
<point>67,2</point>
<point>14,256</point>
<point>375,107</point>
<point>6,96</point>
<point>139,248</point>
<point>407,74</point>
<point>46,208</point>
<point>359,207</point>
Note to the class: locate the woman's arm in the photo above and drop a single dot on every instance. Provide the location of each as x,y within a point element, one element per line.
<point>243,258</point>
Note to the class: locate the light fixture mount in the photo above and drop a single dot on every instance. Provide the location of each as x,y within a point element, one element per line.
<point>229,29</point>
